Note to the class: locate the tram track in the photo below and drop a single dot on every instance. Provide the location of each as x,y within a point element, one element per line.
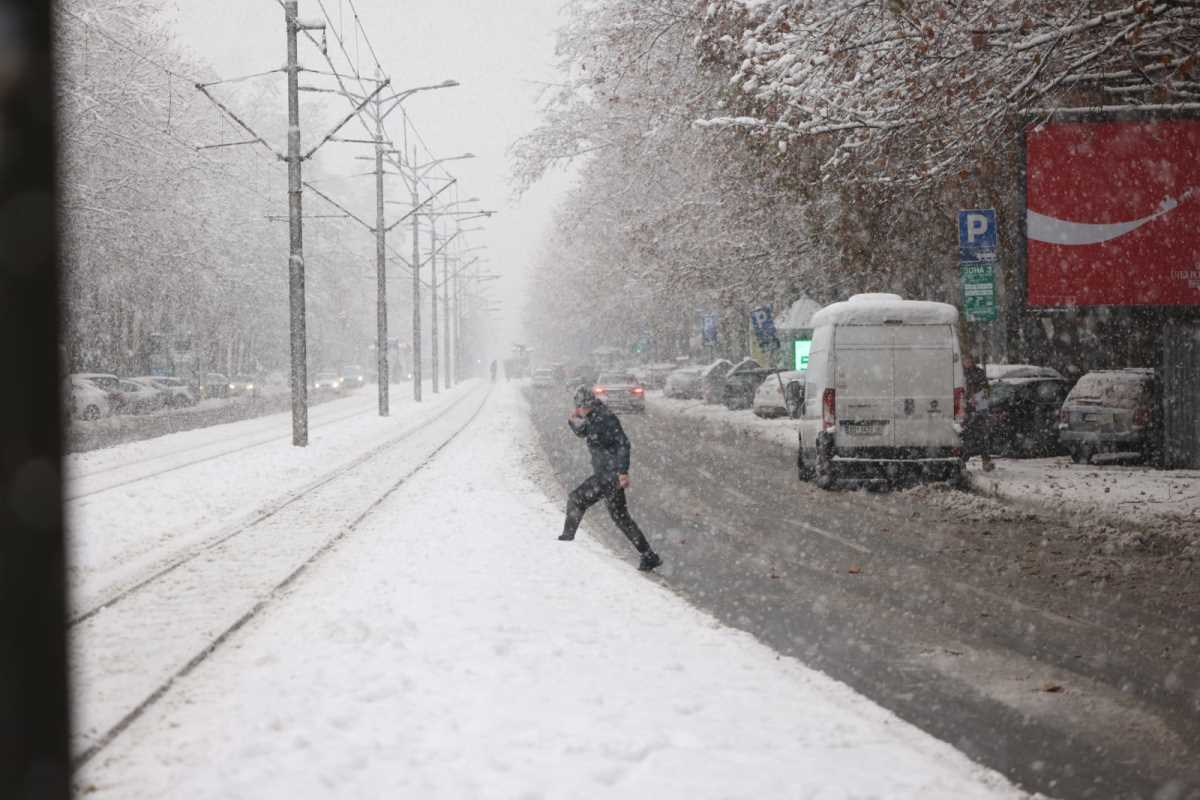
<point>260,515</point>
<point>265,597</point>
<point>275,437</point>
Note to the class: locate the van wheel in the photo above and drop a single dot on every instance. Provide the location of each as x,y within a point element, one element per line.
<point>823,473</point>
<point>91,413</point>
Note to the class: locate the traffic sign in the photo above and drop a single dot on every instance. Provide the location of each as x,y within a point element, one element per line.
<point>763,322</point>
<point>977,235</point>
<point>979,291</point>
<point>708,329</point>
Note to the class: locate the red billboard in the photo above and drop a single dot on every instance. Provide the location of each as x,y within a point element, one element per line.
<point>1113,213</point>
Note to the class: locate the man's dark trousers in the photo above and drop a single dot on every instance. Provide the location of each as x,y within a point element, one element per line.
<point>590,492</point>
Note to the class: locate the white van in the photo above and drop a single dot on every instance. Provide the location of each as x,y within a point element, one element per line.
<point>883,393</point>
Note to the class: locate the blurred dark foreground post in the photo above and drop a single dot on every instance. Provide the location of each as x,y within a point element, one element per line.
<point>34,761</point>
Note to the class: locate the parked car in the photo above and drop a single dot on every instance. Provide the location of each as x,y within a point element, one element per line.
<point>884,393</point>
<point>741,383</point>
<point>684,383</point>
<point>138,398</point>
<point>1022,413</point>
<point>353,377</point>
<point>712,380</point>
<point>654,376</point>
<point>327,380</point>
<point>105,380</point>
<point>779,395</point>
<point>621,391</point>
<point>214,384</point>
<point>85,400</point>
<point>544,376</point>
<point>1110,411</point>
<point>177,391</point>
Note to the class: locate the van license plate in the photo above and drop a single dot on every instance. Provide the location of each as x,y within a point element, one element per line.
<point>864,428</point>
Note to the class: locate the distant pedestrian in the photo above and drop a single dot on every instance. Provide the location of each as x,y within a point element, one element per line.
<point>609,447</point>
<point>977,433</point>
<point>493,368</point>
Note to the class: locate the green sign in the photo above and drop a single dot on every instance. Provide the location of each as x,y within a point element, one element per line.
<point>803,348</point>
<point>978,291</point>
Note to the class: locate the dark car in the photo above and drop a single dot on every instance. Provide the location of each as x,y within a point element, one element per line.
<point>621,391</point>
<point>740,383</point>
<point>1110,411</point>
<point>1023,412</point>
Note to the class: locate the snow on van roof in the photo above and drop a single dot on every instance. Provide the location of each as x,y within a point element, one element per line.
<point>878,308</point>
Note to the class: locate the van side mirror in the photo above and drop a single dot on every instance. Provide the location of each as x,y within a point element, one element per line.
<point>793,395</point>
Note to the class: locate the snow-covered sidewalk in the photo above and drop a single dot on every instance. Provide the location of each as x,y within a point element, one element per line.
<point>451,647</point>
<point>1110,492</point>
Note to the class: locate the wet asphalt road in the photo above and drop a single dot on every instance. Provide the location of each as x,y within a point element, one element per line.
<point>1073,674</point>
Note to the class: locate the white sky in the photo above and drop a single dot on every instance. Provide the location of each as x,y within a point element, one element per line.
<point>498,51</point>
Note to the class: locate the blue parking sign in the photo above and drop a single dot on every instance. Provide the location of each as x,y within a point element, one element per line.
<point>976,235</point>
<point>763,322</point>
<point>708,329</point>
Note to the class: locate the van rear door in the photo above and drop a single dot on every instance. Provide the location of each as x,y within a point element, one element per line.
<point>923,407</point>
<point>864,384</point>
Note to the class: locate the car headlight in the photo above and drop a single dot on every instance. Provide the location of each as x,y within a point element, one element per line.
<point>231,386</point>
<point>250,386</point>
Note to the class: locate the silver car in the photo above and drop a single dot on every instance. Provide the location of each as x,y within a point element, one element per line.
<point>620,391</point>
<point>1109,411</point>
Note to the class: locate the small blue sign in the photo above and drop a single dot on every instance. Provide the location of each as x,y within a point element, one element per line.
<point>977,235</point>
<point>763,322</point>
<point>708,329</point>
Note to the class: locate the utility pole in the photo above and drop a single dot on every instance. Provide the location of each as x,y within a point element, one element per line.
<point>433,287</point>
<point>296,236</point>
<point>381,327</point>
<point>446,315</point>
<point>416,291</point>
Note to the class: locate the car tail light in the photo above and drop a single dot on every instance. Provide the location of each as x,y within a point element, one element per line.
<point>828,414</point>
<point>599,391</point>
<point>637,391</point>
<point>960,405</point>
<point>1141,417</point>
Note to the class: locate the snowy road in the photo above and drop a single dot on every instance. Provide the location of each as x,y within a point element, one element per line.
<point>1065,656</point>
<point>448,646</point>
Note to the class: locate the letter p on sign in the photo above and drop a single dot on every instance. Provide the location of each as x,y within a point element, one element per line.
<point>977,225</point>
<point>976,235</point>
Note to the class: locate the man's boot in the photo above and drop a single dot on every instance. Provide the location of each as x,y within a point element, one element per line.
<point>650,560</point>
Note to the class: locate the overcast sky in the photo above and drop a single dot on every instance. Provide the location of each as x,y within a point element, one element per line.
<point>498,51</point>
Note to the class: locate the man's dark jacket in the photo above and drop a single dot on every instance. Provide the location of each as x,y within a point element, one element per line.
<point>606,441</point>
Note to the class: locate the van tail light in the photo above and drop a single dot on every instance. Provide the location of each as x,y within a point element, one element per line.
<point>637,391</point>
<point>828,414</point>
<point>960,405</point>
<point>1141,417</point>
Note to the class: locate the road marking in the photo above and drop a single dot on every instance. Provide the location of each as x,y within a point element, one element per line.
<point>831,536</point>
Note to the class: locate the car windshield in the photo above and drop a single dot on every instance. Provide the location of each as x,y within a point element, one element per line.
<point>1111,389</point>
<point>611,378</point>
<point>326,376</point>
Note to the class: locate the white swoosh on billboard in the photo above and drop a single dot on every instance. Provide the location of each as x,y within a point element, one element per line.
<point>1051,230</point>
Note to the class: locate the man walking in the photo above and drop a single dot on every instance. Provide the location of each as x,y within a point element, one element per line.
<point>609,447</point>
<point>977,438</point>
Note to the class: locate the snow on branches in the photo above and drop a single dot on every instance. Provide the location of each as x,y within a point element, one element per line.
<point>910,90</point>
